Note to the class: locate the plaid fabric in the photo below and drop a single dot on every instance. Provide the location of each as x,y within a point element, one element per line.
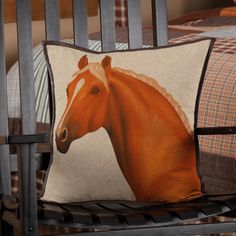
<point>218,173</point>
<point>14,129</point>
<point>218,103</point>
<point>218,108</point>
<point>222,45</point>
<point>226,46</point>
<point>40,180</point>
<point>121,13</point>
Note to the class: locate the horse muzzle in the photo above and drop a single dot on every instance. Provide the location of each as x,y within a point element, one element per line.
<point>62,140</point>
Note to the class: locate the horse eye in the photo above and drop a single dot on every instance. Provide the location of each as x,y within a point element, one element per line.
<point>95,90</point>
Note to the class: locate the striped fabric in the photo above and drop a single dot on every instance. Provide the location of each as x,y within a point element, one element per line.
<point>41,87</point>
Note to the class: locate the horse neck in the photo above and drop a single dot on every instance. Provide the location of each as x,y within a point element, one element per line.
<point>127,99</point>
<point>136,110</point>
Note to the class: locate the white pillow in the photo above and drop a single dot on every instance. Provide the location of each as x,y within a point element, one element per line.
<point>163,165</point>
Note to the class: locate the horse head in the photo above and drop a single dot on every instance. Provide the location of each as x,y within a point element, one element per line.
<point>87,102</point>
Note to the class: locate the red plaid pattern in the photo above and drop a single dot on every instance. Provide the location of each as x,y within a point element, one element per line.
<point>40,180</point>
<point>121,13</point>
<point>222,45</point>
<point>218,101</point>
<point>226,45</point>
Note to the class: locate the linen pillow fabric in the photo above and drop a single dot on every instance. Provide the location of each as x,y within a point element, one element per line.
<point>124,122</point>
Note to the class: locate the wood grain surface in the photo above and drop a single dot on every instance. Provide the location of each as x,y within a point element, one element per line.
<point>38,9</point>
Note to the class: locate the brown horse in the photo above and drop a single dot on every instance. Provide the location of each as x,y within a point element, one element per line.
<point>149,132</point>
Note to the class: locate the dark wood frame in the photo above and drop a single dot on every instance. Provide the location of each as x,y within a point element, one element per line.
<point>25,213</point>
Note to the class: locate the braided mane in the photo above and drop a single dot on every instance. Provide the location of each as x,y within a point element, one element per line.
<point>162,91</point>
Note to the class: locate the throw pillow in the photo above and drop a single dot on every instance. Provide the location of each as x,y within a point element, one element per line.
<point>123,123</point>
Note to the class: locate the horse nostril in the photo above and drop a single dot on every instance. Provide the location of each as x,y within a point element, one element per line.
<point>63,134</point>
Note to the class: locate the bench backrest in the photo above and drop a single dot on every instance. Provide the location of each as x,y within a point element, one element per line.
<point>26,67</point>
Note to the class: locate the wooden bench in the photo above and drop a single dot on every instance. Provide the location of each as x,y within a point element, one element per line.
<point>26,215</point>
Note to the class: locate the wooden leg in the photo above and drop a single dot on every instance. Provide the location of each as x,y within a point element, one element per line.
<point>6,229</point>
<point>27,186</point>
<point>16,232</point>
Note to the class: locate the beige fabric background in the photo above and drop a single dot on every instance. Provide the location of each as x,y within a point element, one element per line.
<point>89,171</point>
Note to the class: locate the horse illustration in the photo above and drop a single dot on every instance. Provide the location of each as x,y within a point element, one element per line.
<point>149,132</point>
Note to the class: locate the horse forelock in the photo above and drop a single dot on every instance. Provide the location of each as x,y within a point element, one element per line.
<point>96,70</point>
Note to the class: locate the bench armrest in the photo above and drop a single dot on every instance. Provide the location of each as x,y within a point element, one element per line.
<point>24,139</point>
<point>215,130</point>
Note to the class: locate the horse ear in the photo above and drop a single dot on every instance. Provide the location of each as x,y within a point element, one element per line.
<point>83,62</point>
<point>106,62</point>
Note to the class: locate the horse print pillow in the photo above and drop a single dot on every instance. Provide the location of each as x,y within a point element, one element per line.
<point>123,121</point>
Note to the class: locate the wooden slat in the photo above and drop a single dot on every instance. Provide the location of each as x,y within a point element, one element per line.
<point>81,218</point>
<point>76,208</point>
<point>229,200</point>
<point>207,207</point>
<point>172,230</point>
<point>52,19</point>
<point>80,21</point>
<point>126,214</point>
<point>115,207</point>
<point>41,161</point>
<point>28,139</point>
<point>154,212</point>
<point>28,199</point>
<point>108,219</point>
<point>52,211</point>
<point>185,213</point>
<point>95,208</point>
<point>160,216</point>
<point>105,216</point>
<point>160,30</point>
<point>5,178</point>
<point>107,25</point>
<point>139,205</point>
<point>211,209</point>
<point>135,219</point>
<point>215,130</point>
<point>79,215</point>
<point>134,24</point>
